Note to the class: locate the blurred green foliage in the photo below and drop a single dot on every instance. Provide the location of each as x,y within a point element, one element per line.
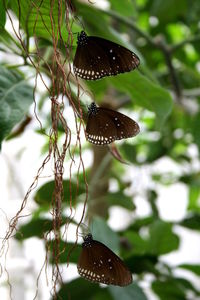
<point>164,93</point>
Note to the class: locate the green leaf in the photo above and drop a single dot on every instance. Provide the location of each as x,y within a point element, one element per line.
<point>139,264</point>
<point>173,9</point>
<point>102,295</point>
<point>94,25</point>
<point>173,288</point>
<point>81,289</point>
<point>154,150</point>
<point>125,8</point>
<point>168,289</point>
<point>195,129</point>
<point>102,232</point>
<point>194,12</point>
<point>193,268</point>
<point>15,98</point>
<point>130,292</point>
<point>128,152</point>
<point>145,93</point>
<point>162,240</point>
<point>194,196</point>
<point>36,227</point>
<point>45,193</point>
<point>142,222</point>
<point>193,182</point>
<point>8,42</point>
<point>120,199</point>
<point>2,14</point>
<point>191,222</point>
<point>68,252</point>
<point>39,18</point>
<point>98,88</point>
<point>139,245</point>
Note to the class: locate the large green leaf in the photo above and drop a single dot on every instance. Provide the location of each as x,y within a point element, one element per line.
<point>194,12</point>
<point>191,222</point>
<point>139,264</point>
<point>145,93</point>
<point>162,240</point>
<point>139,245</point>
<point>94,25</point>
<point>81,289</point>
<point>44,194</point>
<point>160,7</point>
<point>36,227</point>
<point>102,232</point>
<point>126,8</point>
<point>141,223</point>
<point>130,292</point>
<point>120,199</point>
<point>7,42</point>
<point>195,129</point>
<point>193,182</point>
<point>194,196</point>
<point>193,268</point>
<point>2,14</point>
<point>39,18</point>
<point>129,152</point>
<point>173,288</point>
<point>15,98</point>
<point>69,252</point>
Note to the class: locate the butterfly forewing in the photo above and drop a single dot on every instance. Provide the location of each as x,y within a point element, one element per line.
<point>97,57</point>
<point>105,125</point>
<point>89,66</point>
<point>98,263</point>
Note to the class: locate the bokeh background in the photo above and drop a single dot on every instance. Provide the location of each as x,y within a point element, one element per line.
<point>145,208</point>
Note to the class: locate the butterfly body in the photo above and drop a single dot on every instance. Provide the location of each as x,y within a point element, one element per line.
<point>104,125</point>
<point>99,264</point>
<point>97,57</point>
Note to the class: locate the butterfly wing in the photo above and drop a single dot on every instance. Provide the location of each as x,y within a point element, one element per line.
<point>98,263</point>
<point>108,125</point>
<point>120,59</point>
<point>91,61</point>
<point>126,127</point>
<point>99,57</point>
<point>100,129</point>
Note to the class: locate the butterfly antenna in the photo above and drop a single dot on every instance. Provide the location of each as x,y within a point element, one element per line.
<point>85,230</point>
<point>76,18</point>
<point>73,11</point>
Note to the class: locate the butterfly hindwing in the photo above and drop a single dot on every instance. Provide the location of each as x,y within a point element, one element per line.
<point>125,126</point>
<point>120,59</point>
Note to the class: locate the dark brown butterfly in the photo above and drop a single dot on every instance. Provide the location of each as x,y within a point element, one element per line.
<point>97,57</point>
<point>99,264</point>
<point>106,125</point>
